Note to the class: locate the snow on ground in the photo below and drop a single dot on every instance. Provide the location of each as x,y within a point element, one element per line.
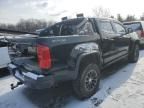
<point>122,87</point>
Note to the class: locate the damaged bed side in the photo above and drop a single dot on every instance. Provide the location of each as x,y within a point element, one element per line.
<point>16,46</point>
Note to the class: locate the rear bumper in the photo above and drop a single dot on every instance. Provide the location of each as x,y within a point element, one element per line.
<point>36,81</point>
<point>30,79</point>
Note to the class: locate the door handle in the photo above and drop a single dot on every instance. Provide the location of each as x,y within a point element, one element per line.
<point>120,37</point>
<point>111,39</point>
<point>108,38</point>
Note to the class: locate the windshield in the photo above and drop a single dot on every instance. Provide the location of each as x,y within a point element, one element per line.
<point>135,26</point>
<point>62,28</point>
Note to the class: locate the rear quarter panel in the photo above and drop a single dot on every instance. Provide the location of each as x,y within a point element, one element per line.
<point>64,48</point>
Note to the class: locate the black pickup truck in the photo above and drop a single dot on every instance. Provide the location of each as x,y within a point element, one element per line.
<point>72,50</point>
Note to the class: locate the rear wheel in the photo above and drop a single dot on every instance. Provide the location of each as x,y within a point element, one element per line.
<point>133,57</point>
<point>87,82</point>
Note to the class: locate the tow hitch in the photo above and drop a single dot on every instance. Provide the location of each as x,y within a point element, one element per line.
<point>14,86</point>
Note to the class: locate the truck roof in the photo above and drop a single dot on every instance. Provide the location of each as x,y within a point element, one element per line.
<point>128,22</point>
<point>97,18</point>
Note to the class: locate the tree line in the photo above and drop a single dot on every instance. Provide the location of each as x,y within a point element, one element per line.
<point>129,18</point>
<point>29,25</point>
<point>105,12</point>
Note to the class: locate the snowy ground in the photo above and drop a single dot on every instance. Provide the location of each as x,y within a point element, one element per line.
<point>122,87</point>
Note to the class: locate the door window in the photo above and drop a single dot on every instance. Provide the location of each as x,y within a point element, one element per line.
<point>119,28</point>
<point>86,29</point>
<point>106,27</point>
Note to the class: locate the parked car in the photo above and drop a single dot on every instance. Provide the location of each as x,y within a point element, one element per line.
<point>4,56</point>
<point>138,27</point>
<point>73,50</point>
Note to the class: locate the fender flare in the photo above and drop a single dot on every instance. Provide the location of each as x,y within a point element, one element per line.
<point>132,45</point>
<point>84,55</point>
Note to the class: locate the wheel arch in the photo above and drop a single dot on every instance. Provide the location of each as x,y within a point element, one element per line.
<point>132,45</point>
<point>87,58</point>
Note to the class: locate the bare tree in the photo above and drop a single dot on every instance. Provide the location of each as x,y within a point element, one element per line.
<point>29,25</point>
<point>142,17</point>
<point>130,18</point>
<point>119,17</point>
<point>102,12</point>
<point>4,26</point>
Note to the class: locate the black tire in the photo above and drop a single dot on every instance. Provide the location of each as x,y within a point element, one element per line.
<point>87,82</point>
<point>133,57</point>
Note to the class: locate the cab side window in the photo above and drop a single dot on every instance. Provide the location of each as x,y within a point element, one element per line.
<point>86,29</point>
<point>106,27</point>
<point>119,28</point>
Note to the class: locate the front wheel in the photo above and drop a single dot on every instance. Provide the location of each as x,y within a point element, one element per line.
<point>133,57</point>
<point>87,82</point>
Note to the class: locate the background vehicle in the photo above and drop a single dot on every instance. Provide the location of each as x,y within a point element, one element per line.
<point>4,56</point>
<point>73,50</point>
<point>5,36</point>
<point>138,27</point>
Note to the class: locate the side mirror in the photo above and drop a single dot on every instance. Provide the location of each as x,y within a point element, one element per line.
<point>129,30</point>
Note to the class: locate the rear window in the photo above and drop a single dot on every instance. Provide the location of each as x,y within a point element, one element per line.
<point>63,28</point>
<point>135,26</point>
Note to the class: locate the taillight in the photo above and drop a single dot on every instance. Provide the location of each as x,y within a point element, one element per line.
<point>142,33</point>
<point>44,57</point>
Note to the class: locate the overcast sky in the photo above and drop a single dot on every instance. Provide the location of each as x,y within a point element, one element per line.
<point>13,10</point>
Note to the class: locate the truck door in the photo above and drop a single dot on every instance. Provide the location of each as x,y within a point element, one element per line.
<point>108,43</point>
<point>122,39</point>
